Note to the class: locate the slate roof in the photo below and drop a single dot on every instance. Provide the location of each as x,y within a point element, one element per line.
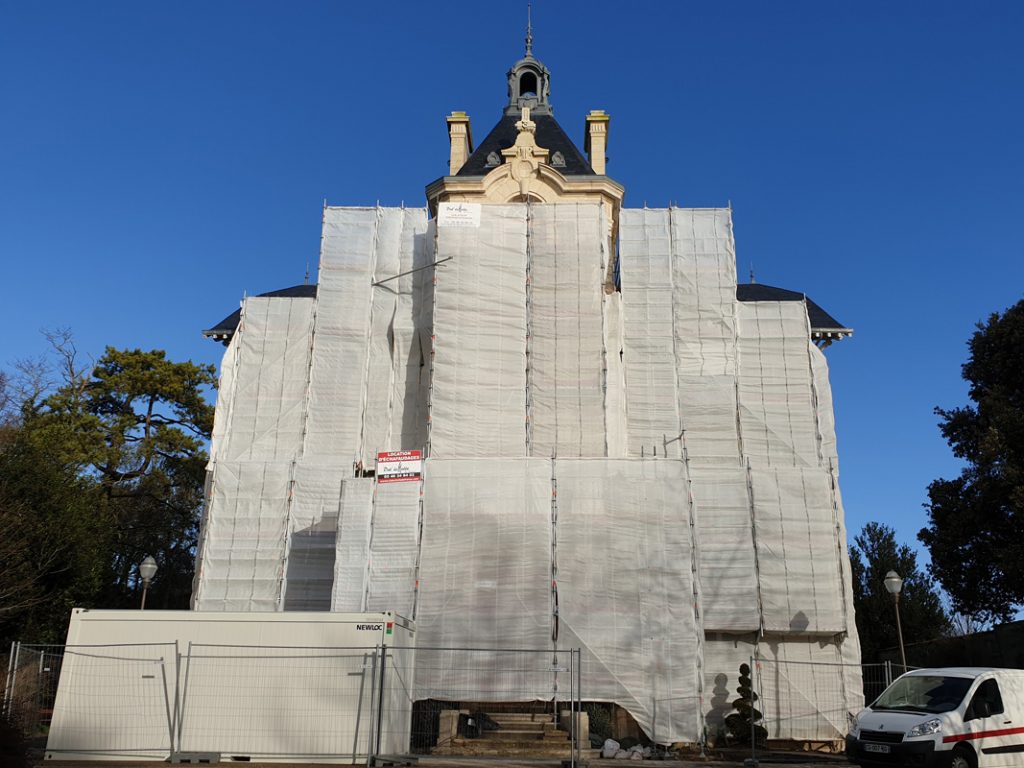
<point>223,330</point>
<point>820,319</point>
<point>549,135</point>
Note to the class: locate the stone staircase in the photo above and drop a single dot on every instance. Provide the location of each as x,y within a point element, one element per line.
<point>519,735</point>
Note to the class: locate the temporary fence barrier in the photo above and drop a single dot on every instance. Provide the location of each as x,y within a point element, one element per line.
<point>30,675</point>
<point>161,701</point>
<point>89,697</point>
<point>802,700</point>
<point>806,703</point>
<point>277,702</point>
<point>485,702</point>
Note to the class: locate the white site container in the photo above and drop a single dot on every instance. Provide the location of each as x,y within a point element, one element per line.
<point>279,687</point>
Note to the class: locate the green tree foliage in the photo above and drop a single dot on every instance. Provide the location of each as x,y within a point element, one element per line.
<point>96,473</point>
<point>976,521</point>
<point>873,554</point>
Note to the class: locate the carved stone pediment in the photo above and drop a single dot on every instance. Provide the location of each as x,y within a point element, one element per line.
<point>524,158</point>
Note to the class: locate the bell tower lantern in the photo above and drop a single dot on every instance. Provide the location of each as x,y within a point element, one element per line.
<point>527,156</point>
<point>529,83</point>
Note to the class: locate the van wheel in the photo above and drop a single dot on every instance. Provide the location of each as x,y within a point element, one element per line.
<point>962,758</point>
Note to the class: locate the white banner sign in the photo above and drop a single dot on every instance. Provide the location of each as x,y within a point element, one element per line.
<point>458,215</point>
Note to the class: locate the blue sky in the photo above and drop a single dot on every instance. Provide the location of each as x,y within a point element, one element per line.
<point>157,160</point>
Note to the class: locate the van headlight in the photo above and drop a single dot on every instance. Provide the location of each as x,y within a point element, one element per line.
<point>927,728</point>
<point>851,724</point>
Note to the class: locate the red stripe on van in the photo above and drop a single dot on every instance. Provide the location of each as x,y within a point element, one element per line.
<point>981,735</point>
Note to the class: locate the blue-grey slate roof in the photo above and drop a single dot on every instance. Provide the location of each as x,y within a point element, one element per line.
<point>549,136</point>
<point>820,319</point>
<point>229,324</point>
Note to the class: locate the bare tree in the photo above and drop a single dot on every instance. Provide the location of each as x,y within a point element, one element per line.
<point>70,368</point>
<point>963,624</point>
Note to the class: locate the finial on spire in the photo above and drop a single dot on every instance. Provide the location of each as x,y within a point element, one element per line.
<point>529,31</point>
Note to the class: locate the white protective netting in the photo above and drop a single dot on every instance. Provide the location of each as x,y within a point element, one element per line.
<point>823,405</point>
<point>225,392</point>
<point>652,391</point>
<point>778,416</point>
<point>342,327</point>
<point>394,545</point>
<point>410,331</point>
<point>704,291</point>
<point>728,565</point>
<point>522,356</point>
<point>241,561</point>
<point>798,556</point>
<point>485,577</point>
<point>704,297</point>
<point>312,540</point>
<point>394,415</point>
<point>566,344</point>
<point>478,395</point>
<point>679,291</point>
<point>367,390</point>
<point>267,381</point>
<point>615,379</point>
<point>352,550</point>
<point>626,590</point>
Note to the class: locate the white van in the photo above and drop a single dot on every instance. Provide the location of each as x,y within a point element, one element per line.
<point>964,717</point>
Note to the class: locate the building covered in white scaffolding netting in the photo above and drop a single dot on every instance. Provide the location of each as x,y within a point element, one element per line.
<point>620,449</point>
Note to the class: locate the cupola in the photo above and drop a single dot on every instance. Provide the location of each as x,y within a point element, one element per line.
<point>529,83</point>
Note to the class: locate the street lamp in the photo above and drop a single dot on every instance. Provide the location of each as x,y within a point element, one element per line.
<point>147,570</point>
<point>893,585</point>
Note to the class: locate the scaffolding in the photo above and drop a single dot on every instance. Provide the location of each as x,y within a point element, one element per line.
<point>649,475</point>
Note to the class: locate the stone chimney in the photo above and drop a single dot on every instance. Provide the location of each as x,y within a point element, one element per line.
<point>596,141</point>
<point>461,138</point>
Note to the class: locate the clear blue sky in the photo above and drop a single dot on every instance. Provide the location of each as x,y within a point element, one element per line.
<point>157,160</point>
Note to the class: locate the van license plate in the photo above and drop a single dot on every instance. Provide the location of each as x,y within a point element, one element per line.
<point>882,749</point>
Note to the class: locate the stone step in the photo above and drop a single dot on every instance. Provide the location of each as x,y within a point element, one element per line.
<point>520,717</point>
<point>512,735</point>
<point>534,750</point>
<point>525,725</point>
<point>508,735</point>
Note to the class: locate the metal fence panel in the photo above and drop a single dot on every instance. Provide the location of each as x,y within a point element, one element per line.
<point>804,701</point>
<point>258,701</point>
<point>94,700</point>
<point>355,703</point>
<point>30,675</point>
<point>490,705</point>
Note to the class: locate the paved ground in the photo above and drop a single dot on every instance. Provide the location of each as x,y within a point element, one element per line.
<point>791,760</point>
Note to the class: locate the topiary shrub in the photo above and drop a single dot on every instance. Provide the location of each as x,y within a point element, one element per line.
<point>745,719</point>
<point>600,719</point>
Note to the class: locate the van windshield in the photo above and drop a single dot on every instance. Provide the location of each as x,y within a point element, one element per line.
<point>924,693</point>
